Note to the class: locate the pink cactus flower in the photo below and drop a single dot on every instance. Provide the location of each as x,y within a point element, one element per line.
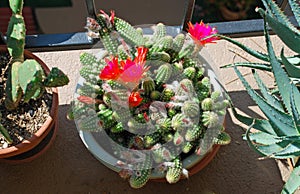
<point>200,31</point>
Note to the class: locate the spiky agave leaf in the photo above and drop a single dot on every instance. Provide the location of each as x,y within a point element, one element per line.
<point>293,181</point>
<point>294,4</point>
<point>260,66</point>
<point>281,25</point>
<point>292,69</point>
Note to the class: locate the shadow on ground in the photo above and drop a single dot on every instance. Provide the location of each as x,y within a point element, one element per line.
<point>68,167</point>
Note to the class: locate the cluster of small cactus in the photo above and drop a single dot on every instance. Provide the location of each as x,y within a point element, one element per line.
<point>151,96</point>
<point>26,79</point>
<point>277,136</point>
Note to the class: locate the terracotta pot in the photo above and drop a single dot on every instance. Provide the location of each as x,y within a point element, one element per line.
<point>12,153</point>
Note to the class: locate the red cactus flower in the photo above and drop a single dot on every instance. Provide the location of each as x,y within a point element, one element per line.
<point>111,71</point>
<point>126,71</point>
<point>200,31</point>
<point>134,99</point>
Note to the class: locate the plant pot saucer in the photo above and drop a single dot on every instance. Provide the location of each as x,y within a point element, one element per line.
<point>35,152</point>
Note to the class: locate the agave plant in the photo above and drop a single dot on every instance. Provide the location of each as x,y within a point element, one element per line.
<point>277,136</point>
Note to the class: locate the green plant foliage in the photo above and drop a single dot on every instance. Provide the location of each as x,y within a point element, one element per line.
<point>277,136</point>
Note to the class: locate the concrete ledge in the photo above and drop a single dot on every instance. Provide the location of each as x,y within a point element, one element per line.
<point>68,167</point>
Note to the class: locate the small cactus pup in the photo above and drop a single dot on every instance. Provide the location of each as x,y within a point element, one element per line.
<point>150,97</point>
<point>26,78</point>
<point>278,135</point>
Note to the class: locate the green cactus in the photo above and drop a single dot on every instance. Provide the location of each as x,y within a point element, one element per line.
<point>174,172</point>
<point>186,51</point>
<point>90,73</point>
<point>142,174</point>
<point>186,88</point>
<point>222,139</point>
<point>178,42</point>
<point>178,121</point>
<point>160,31</point>
<point>129,33</point>
<point>207,104</point>
<point>148,85</point>
<point>203,88</point>
<point>135,125</point>
<point>87,58</point>
<point>164,125</point>
<point>167,117</point>
<point>189,73</point>
<point>30,79</point>
<point>210,119</point>
<point>122,115</point>
<point>190,108</point>
<point>117,128</point>
<point>56,78</point>
<point>4,132</point>
<point>106,118</point>
<point>187,147</point>
<point>26,79</point>
<point>160,56</point>
<point>78,109</point>
<point>167,94</point>
<point>178,138</point>
<point>107,36</point>
<point>91,90</point>
<point>164,73</point>
<point>194,133</point>
<point>89,123</point>
<point>151,139</point>
<point>163,44</point>
<point>122,53</point>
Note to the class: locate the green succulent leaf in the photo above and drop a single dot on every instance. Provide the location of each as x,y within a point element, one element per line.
<point>281,150</point>
<point>292,70</point>
<point>293,182</point>
<point>263,138</point>
<point>291,150</point>
<point>250,51</point>
<point>281,77</point>
<point>290,36</point>
<point>16,6</point>
<point>275,12</point>
<point>5,134</point>
<point>260,66</point>
<point>280,121</point>
<point>259,124</point>
<point>271,99</point>
<point>295,60</point>
<point>252,144</point>
<point>294,4</point>
<point>295,105</point>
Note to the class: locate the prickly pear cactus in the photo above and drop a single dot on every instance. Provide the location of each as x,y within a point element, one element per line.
<point>26,79</point>
<point>149,95</point>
